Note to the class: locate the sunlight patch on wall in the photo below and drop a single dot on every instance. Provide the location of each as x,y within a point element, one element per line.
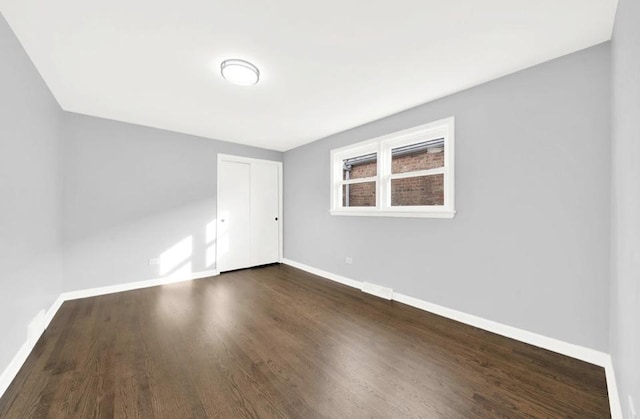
<point>180,273</point>
<point>175,256</point>
<point>210,243</point>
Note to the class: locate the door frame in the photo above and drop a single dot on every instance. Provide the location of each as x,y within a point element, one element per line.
<point>240,159</point>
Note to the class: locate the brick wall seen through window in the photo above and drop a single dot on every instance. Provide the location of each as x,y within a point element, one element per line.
<point>421,190</point>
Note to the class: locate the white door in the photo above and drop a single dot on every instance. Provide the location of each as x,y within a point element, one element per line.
<point>234,215</point>
<point>265,243</point>
<point>249,219</point>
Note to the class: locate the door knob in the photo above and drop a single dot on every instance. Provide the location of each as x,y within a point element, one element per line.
<point>222,221</point>
<point>276,218</point>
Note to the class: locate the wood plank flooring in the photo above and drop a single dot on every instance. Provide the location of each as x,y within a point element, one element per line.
<point>279,342</point>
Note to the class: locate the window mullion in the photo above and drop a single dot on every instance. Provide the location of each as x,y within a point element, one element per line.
<point>385,153</point>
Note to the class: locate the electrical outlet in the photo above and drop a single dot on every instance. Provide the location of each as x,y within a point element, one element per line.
<point>154,261</point>
<point>632,409</point>
<point>348,260</point>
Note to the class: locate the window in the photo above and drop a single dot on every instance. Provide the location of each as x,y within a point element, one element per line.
<point>404,174</point>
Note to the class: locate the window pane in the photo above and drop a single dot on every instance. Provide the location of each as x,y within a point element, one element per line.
<point>359,195</point>
<point>360,167</point>
<point>420,156</point>
<point>419,190</point>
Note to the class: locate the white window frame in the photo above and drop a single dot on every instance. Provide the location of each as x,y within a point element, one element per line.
<point>383,146</point>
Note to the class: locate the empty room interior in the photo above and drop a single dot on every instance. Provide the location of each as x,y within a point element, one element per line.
<point>336,209</point>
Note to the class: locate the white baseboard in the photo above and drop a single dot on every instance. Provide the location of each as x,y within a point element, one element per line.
<point>565,348</point>
<point>324,274</point>
<point>41,325</point>
<point>53,310</point>
<point>377,290</point>
<point>14,366</point>
<point>36,327</point>
<point>92,292</point>
<point>612,389</point>
<point>569,349</point>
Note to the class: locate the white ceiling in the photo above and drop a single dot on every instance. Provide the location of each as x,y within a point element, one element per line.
<point>326,66</point>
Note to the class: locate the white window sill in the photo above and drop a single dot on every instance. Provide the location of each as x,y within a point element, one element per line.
<point>407,214</point>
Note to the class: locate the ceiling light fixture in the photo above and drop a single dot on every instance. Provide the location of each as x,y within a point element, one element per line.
<point>240,72</point>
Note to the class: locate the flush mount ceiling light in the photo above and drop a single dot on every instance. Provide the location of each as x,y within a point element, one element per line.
<point>240,72</point>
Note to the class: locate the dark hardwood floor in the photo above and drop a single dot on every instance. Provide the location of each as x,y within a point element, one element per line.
<point>279,342</point>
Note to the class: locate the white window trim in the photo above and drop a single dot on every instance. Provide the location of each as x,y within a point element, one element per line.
<point>383,145</point>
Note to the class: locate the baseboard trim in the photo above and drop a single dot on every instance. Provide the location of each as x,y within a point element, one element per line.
<point>111,289</point>
<point>377,290</point>
<point>612,389</point>
<point>53,310</point>
<point>582,353</point>
<point>334,277</point>
<point>14,366</point>
<point>10,372</point>
<point>569,349</point>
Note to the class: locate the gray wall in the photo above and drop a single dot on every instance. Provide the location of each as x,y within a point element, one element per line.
<point>625,208</point>
<point>529,246</point>
<point>30,278</point>
<point>133,192</point>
